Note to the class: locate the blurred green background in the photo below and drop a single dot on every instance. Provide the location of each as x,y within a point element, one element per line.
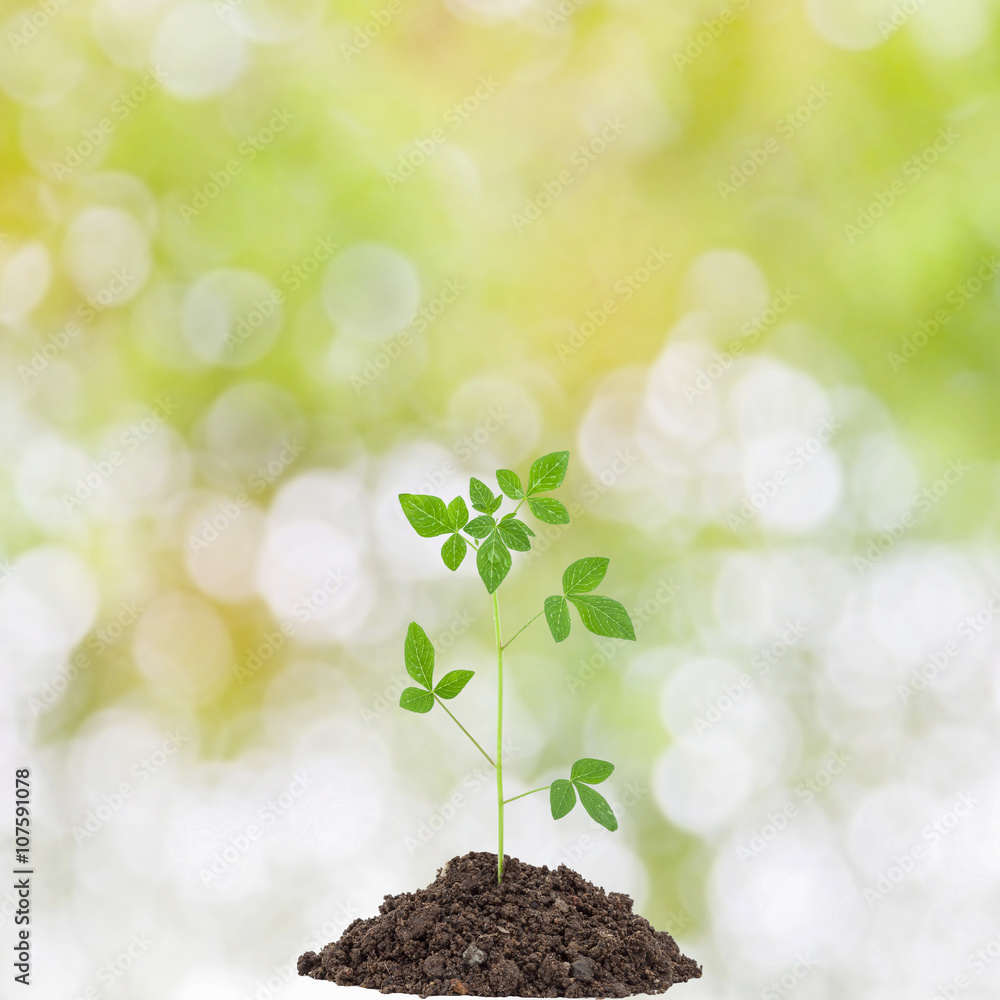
<point>265,265</point>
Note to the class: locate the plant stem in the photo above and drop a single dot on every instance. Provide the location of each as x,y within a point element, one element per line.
<point>522,628</point>
<point>466,731</point>
<point>499,762</point>
<point>544,788</point>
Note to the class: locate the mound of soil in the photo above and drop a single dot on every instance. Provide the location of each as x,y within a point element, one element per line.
<point>540,933</point>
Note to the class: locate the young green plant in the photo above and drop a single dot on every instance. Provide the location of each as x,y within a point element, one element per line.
<point>493,539</point>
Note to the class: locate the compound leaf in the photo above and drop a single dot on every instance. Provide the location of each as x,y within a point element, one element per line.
<point>419,656</point>
<point>557,615</point>
<point>427,514</point>
<point>603,616</point>
<point>562,798</point>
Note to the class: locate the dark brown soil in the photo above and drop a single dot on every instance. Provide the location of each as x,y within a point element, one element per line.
<point>541,933</point>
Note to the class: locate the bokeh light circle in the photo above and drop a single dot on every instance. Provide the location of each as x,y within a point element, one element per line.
<point>370,291</point>
<point>198,54</point>
<point>107,255</point>
<point>231,317</point>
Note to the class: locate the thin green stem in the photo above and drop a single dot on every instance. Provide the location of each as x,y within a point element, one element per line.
<point>544,788</point>
<point>466,731</point>
<point>522,628</point>
<point>496,626</point>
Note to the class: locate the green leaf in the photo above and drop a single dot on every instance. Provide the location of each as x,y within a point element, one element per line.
<point>514,535</point>
<point>453,682</point>
<point>547,472</point>
<point>591,770</point>
<point>557,615</point>
<point>480,527</point>
<point>597,806</point>
<point>584,575</point>
<point>419,655</point>
<point>510,483</point>
<point>562,798</point>
<point>549,510</point>
<point>493,561</point>
<point>416,700</point>
<point>427,514</point>
<point>482,496</point>
<point>458,514</point>
<point>511,516</point>
<point>453,551</point>
<point>604,616</point>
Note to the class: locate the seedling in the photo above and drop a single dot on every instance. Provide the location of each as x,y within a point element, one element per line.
<point>493,539</point>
